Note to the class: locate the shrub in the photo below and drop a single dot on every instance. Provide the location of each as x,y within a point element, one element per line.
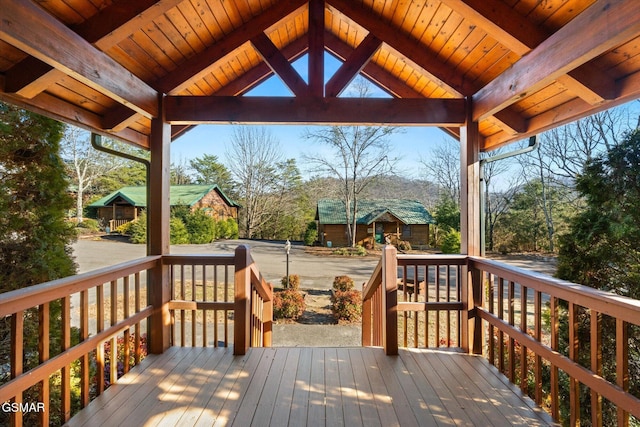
<point>403,245</point>
<point>125,228</point>
<point>288,304</point>
<point>347,305</point>
<point>343,283</point>
<point>178,232</point>
<point>227,229</point>
<point>451,242</point>
<point>360,251</point>
<point>200,226</point>
<point>138,229</point>
<point>89,224</point>
<point>294,282</point>
<point>311,233</point>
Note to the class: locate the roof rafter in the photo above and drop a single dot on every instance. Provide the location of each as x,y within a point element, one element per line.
<point>50,41</point>
<point>353,65</point>
<point>343,111</point>
<point>279,64</point>
<point>519,35</point>
<point>582,39</point>
<point>105,29</point>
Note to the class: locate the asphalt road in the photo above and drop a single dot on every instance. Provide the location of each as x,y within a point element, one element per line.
<point>315,272</point>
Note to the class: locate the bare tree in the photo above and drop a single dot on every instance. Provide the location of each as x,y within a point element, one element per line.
<point>85,163</point>
<point>252,157</point>
<point>359,155</point>
<point>443,168</point>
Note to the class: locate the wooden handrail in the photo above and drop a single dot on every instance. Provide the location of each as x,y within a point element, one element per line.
<point>21,299</point>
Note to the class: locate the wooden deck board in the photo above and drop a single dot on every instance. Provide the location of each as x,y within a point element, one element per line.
<point>304,386</point>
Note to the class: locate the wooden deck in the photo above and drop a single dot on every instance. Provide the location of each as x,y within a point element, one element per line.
<point>311,386</point>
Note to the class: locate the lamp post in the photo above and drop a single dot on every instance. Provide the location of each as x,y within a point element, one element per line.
<point>287,248</point>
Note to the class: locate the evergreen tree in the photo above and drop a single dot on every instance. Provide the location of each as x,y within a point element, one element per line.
<point>34,201</point>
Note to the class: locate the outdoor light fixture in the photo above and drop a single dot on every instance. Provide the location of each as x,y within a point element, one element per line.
<point>287,248</point>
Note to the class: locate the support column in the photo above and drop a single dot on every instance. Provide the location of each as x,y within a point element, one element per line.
<point>158,286</point>
<point>471,330</point>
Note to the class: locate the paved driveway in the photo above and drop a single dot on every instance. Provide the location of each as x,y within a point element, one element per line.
<point>316,272</point>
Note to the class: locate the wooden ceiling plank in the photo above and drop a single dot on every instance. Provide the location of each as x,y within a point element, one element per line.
<point>394,111</point>
<point>34,31</point>
<point>279,64</point>
<point>353,65</point>
<point>316,48</point>
<point>121,19</point>
<point>406,46</point>
<point>520,35</point>
<point>603,26</point>
<point>194,68</point>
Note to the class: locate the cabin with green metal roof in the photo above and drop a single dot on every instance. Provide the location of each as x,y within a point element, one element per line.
<point>377,221</point>
<point>125,204</point>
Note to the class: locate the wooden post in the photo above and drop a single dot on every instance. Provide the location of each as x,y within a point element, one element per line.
<point>390,300</point>
<point>267,314</point>
<point>469,224</point>
<point>158,286</point>
<point>242,305</point>
<point>366,322</point>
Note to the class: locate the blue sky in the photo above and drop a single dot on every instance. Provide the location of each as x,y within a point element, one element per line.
<point>410,145</point>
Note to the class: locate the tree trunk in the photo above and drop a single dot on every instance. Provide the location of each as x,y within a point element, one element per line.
<point>79,196</point>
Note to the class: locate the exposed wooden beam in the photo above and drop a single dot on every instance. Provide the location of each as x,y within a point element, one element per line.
<point>35,32</point>
<point>629,90</point>
<point>520,35</point>
<point>353,65</point>
<point>600,28</point>
<point>196,67</point>
<point>279,64</point>
<point>112,24</point>
<point>333,111</point>
<point>316,48</point>
<point>58,109</point>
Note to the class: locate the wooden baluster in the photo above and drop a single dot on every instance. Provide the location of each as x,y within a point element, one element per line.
<point>17,353</point>
<point>501,316</point>
<point>100,348</point>
<point>459,298</point>
<point>138,345</point>
<point>65,372</point>
<point>437,323</point>
<point>268,319</point>
<point>622,365</point>
<point>366,321</point>
<point>113,351</point>
<point>174,295</point>
<point>85,366</point>
<point>127,332</point>
<point>574,385</point>
<point>524,369</point>
<point>448,281</point>
<point>44,322</point>
<point>538,336</point>
<point>183,313</point>
<point>405,318</point>
<point>492,331</point>
<point>215,312</point>
<point>204,312</point>
<point>512,350</point>
<point>194,321</point>
<point>226,299</point>
<point>416,292</point>
<point>596,365</point>
<point>555,377</point>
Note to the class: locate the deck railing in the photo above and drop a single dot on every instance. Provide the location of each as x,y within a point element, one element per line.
<point>104,314</point>
<point>211,294</point>
<point>558,341</point>
<point>100,312</point>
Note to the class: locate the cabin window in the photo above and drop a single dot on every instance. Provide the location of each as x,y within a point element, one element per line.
<point>406,231</point>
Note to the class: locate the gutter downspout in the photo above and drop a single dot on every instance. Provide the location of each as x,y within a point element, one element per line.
<point>533,145</point>
<point>96,142</point>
